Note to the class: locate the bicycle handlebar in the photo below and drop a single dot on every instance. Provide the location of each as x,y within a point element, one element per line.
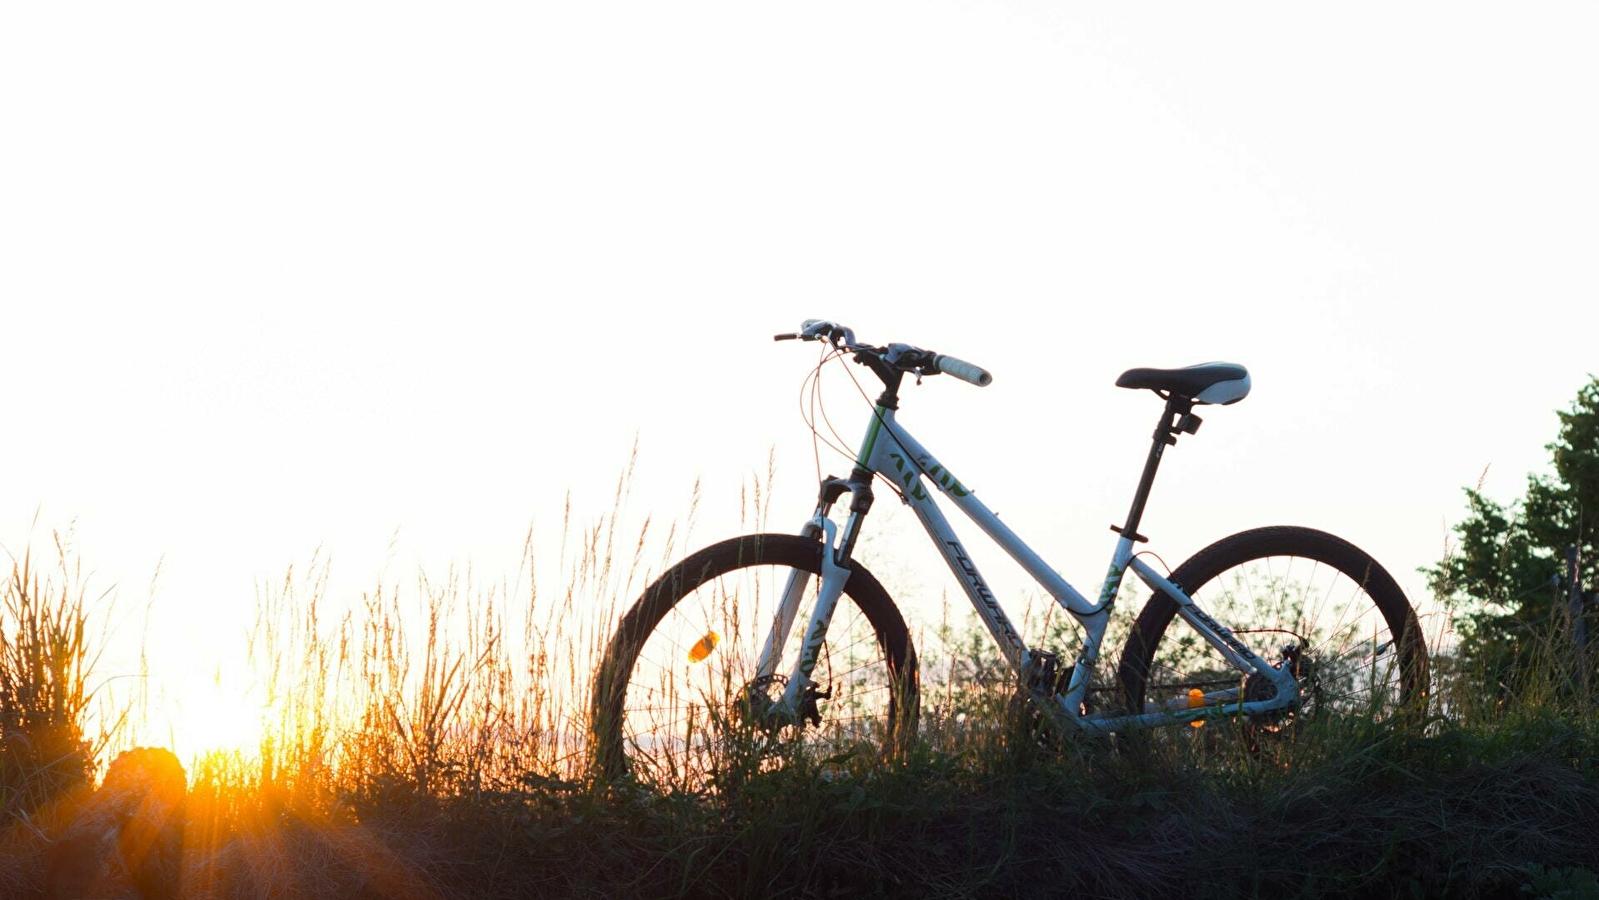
<point>900,356</point>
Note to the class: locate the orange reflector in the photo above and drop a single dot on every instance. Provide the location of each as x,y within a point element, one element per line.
<point>703,647</point>
<point>1196,699</point>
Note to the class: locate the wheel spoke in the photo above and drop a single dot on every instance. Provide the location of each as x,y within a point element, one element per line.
<point>678,714</point>
<point>1344,614</point>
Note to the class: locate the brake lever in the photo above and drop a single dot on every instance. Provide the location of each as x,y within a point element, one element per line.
<point>840,337</point>
<point>805,333</point>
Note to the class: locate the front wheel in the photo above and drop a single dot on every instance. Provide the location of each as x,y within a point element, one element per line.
<point>675,695</point>
<point>1296,597</point>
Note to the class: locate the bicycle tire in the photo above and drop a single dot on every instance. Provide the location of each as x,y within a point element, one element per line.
<point>1365,649</point>
<point>645,690</point>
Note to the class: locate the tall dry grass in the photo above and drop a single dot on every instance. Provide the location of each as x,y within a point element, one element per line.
<point>48,654</point>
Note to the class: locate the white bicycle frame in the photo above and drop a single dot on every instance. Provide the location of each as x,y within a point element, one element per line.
<point>890,451</point>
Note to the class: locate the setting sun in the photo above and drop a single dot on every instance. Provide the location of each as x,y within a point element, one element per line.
<point>211,715</point>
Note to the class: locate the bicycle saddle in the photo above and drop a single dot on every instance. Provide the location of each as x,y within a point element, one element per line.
<point>1205,383</point>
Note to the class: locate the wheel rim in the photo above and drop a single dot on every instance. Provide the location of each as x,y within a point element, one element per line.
<point>687,717</point>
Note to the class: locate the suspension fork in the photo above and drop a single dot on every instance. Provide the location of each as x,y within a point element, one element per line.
<point>836,550</point>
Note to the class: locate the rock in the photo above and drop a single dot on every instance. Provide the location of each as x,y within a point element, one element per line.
<point>126,841</point>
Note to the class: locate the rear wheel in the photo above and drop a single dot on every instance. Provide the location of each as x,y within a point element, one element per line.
<point>678,700</point>
<point>1297,597</point>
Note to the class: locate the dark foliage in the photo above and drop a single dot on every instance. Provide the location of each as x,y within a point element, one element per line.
<point>1507,575</point>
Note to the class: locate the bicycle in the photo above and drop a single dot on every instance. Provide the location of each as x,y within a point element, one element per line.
<point>698,656</point>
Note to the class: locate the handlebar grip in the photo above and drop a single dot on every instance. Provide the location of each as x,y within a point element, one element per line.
<point>806,331</point>
<point>962,369</point>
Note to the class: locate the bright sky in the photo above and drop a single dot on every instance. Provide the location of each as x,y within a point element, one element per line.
<point>391,280</point>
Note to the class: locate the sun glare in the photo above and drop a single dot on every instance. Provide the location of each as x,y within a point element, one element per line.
<point>213,717</point>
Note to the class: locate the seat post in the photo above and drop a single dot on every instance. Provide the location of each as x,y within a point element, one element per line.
<point>1177,418</point>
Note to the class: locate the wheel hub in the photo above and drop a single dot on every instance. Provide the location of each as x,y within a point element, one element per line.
<point>762,697</point>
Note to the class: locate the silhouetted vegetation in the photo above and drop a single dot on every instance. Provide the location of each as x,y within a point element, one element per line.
<point>431,742</point>
<point>1506,577</point>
